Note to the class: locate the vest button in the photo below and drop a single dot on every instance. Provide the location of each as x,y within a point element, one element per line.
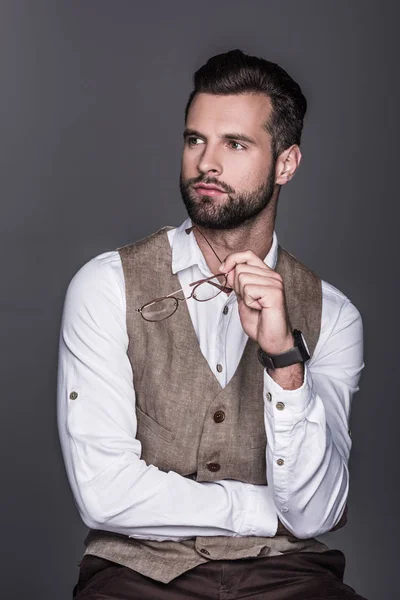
<point>219,416</point>
<point>73,396</point>
<point>225,311</point>
<point>280,462</point>
<point>204,551</point>
<point>213,467</point>
<point>219,368</point>
<point>280,405</point>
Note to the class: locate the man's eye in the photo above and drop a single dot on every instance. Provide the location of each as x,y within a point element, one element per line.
<point>191,141</point>
<point>237,144</point>
<point>195,141</point>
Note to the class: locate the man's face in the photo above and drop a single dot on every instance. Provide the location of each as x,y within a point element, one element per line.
<point>214,153</point>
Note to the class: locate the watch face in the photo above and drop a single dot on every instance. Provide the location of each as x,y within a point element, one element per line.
<point>300,344</point>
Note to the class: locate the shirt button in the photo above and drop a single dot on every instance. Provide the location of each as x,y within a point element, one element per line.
<point>219,368</point>
<point>269,396</point>
<point>219,416</point>
<point>73,396</point>
<point>225,311</point>
<point>280,462</point>
<point>213,467</point>
<point>280,405</point>
<point>204,551</point>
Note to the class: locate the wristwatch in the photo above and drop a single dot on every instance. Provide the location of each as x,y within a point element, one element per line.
<point>297,354</point>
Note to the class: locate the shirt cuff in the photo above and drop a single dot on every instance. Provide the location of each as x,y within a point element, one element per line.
<point>281,402</point>
<point>260,518</point>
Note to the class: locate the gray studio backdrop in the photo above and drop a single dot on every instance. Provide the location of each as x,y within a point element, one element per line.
<point>92,100</point>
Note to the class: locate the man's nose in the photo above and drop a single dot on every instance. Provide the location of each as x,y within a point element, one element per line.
<point>210,161</point>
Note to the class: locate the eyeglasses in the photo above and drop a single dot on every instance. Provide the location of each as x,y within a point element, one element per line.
<point>203,290</point>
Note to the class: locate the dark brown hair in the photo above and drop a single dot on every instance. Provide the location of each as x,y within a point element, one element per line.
<point>237,73</point>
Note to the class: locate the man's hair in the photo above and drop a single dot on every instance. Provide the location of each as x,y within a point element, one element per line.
<point>237,73</point>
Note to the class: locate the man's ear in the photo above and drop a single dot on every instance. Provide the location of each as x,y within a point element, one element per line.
<point>287,164</point>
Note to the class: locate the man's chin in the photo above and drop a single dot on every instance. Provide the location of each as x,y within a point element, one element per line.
<point>222,213</point>
<point>215,221</point>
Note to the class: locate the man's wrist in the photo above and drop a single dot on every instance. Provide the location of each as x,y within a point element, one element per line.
<point>286,362</point>
<point>283,345</point>
<point>291,399</point>
<point>288,378</point>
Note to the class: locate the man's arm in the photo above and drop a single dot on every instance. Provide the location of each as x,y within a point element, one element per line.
<point>113,488</point>
<point>307,428</point>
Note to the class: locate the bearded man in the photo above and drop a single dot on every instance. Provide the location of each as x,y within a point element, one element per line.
<point>206,375</point>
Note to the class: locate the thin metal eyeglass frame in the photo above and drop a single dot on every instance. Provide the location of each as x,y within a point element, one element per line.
<point>222,288</point>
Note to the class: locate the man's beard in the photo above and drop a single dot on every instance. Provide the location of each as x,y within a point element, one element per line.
<point>234,211</point>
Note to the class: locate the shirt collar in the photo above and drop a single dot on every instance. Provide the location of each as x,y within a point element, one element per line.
<point>186,252</point>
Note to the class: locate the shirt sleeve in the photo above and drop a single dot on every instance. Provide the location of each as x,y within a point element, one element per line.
<point>113,488</point>
<point>308,429</point>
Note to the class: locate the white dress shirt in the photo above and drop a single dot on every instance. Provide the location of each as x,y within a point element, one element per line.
<point>308,438</point>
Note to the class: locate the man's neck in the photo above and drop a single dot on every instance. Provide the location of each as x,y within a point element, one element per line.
<point>256,236</point>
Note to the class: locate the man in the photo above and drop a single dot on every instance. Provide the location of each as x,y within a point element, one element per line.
<point>206,375</point>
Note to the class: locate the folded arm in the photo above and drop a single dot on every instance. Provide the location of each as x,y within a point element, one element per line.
<point>114,489</point>
<point>308,428</point>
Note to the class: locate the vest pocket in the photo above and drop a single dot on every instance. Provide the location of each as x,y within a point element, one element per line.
<point>155,428</point>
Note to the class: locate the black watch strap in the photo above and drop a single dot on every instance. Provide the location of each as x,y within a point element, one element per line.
<point>297,354</point>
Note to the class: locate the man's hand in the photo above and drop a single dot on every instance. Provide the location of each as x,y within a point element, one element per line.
<point>261,300</point>
<point>263,311</point>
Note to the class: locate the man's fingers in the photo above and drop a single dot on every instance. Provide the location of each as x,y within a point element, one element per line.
<point>255,305</point>
<point>255,283</point>
<point>244,279</point>
<point>263,271</point>
<point>248,257</point>
<point>261,296</point>
<point>244,273</point>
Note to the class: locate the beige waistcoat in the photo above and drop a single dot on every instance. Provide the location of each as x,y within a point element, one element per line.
<point>177,396</point>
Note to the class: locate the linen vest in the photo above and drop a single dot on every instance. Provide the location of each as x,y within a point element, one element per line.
<point>177,396</point>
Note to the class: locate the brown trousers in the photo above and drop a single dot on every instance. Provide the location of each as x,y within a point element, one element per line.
<point>295,576</point>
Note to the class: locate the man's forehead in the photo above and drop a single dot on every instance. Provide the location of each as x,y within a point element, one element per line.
<point>230,112</point>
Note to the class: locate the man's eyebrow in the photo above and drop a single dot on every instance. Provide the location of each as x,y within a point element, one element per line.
<point>240,137</point>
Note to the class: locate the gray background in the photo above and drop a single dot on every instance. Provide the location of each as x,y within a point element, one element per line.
<point>91,119</point>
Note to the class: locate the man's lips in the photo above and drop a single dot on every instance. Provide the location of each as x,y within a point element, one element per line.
<point>211,190</point>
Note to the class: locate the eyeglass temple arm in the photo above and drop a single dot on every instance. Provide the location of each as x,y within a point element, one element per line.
<point>190,229</point>
<point>223,288</point>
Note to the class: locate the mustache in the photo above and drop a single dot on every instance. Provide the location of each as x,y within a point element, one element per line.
<point>209,181</point>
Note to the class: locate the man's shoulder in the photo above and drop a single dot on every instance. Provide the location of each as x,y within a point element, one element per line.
<point>149,240</point>
<point>105,271</point>
<point>106,267</point>
<point>98,266</point>
<point>337,308</point>
<point>99,274</point>
<point>333,295</point>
